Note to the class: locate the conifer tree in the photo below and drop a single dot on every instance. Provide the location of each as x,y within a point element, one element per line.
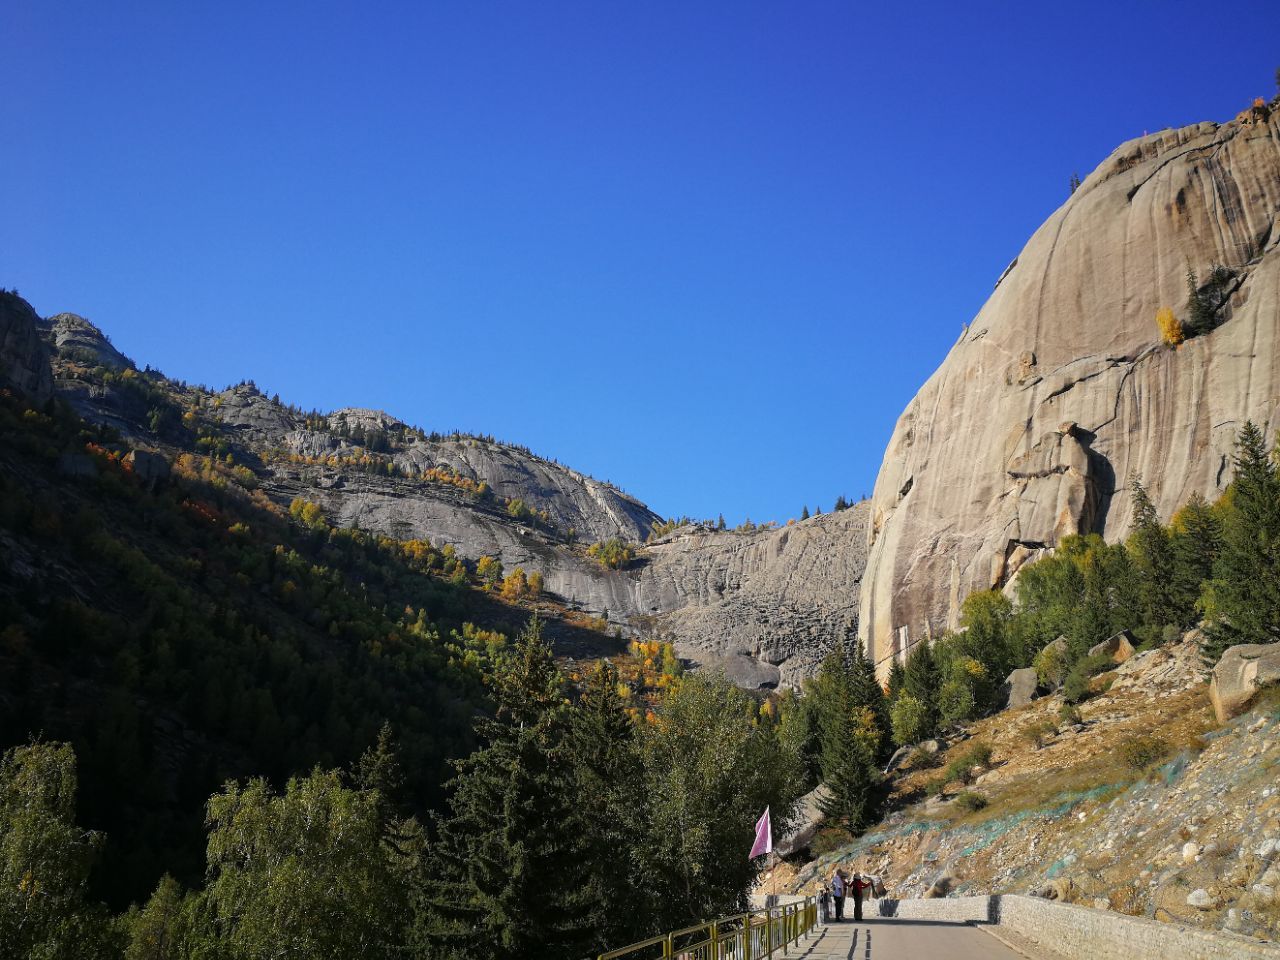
<point>1246,587</point>
<point>1152,559</point>
<point>502,878</point>
<point>804,513</point>
<point>608,782</point>
<point>847,758</point>
<point>897,680</point>
<point>866,693</point>
<point>921,680</point>
<point>1195,539</point>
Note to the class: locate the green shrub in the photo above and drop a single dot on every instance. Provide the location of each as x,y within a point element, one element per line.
<point>960,769</point>
<point>829,839</point>
<point>1069,713</point>
<point>1051,666</point>
<point>1142,750</point>
<point>921,759</point>
<point>1076,687</point>
<point>956,702</point>
<point>909,718</point>
<point>970,801</point>
<point>1036,732</point>
<point>1095,664</point>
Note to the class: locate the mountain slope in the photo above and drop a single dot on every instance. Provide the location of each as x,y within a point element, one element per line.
<point>762,604</point>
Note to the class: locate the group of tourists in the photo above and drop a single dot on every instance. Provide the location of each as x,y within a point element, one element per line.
<point>842,885</point>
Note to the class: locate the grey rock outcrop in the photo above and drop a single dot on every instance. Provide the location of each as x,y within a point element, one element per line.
<point>1240,674</point>
<point>1060,391</point>
<point>809,819</point>
<point>76,337</point>
<point>24,359</point>
<point>1020,687</point>
<point>150,468</point>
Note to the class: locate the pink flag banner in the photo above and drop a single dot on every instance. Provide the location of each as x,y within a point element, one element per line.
<point>764,837</point>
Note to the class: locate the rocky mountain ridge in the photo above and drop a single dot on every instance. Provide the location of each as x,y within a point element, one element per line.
<point>761,604</point>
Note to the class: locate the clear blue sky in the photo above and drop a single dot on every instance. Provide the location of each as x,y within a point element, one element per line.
<point>705,250</point>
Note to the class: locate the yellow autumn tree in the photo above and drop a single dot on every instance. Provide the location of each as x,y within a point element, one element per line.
<point>1170,327</point>
<point>535,584</point>
<point>489,569</point>
<point>515,585</point>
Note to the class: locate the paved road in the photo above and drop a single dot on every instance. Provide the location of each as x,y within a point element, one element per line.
<point>893,939</point>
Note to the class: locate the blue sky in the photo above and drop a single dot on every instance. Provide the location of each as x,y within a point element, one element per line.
<point>708,251</point>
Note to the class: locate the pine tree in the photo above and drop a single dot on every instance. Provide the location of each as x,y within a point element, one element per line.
<point>804,514</point>
<point>1246,586</point>
<point>608,782</point>
<point>921,680</point>
<point>897,679</point>
<point>847,759</point>
<point>1152,560</point>
<point>851,799</point>
<point>1195,541</point>
<point>866,693</point>
<point>502,879</point>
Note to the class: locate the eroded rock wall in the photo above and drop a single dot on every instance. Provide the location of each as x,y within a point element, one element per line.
<point>1061,391</point>
<point>24,359</point>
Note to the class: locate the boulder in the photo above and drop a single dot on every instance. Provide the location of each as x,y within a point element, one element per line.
<point>898,759</point>
<point>1060,889</point>
<point>1201,899</point>
<point>1240,674</point>
<point>150,468</point>
<point>1020,687</point>
<point>808,821</point>
<point>942,884</point>
<point>1119,648</point>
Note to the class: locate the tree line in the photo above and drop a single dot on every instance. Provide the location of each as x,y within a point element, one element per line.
<point>1214,564</point>
<point>570,829</point>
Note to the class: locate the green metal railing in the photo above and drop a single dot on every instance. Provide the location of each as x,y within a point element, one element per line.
<point>747,936</point>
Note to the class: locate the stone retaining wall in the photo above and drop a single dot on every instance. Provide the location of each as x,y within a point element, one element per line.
<point>1081,933</point>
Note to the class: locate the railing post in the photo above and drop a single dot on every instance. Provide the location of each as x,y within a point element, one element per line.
<point>715,940</point>
<point>746,938</point>
<point>668,948</point>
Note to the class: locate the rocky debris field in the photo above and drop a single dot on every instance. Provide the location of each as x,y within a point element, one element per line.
<point>1148,806</point>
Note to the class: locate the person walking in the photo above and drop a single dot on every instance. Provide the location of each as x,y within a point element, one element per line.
<point>859,884</point>
<point>824,904</point>
<point>838,892</point>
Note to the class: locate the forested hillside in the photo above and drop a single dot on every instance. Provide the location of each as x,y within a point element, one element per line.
<point>183,630</point>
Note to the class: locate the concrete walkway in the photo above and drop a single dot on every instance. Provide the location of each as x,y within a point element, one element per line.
<point>892,939</point>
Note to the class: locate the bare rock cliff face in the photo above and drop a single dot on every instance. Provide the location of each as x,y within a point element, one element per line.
<point>24,359</point>
<point>1061,390</point>
<point>761,606</point>
<point>764,606</point>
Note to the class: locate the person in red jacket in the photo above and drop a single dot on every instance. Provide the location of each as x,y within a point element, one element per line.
<point>857,886</point>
